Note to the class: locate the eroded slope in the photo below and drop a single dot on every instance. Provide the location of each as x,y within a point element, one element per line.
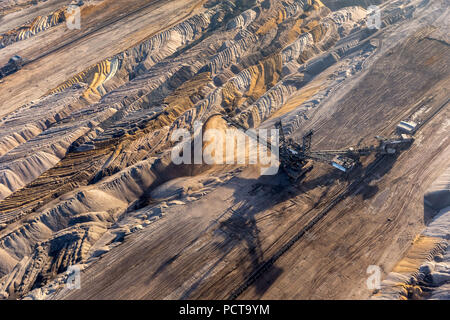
<point>86,176</point>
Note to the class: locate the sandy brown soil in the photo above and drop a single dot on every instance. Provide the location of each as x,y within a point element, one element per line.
<point>87,178</point>
<point>82,48</point>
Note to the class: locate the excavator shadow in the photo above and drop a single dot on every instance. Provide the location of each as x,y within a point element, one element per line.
<point>241,227</point>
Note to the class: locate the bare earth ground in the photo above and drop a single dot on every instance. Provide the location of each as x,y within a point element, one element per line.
<point>207,249</point>
<point>80,51</point>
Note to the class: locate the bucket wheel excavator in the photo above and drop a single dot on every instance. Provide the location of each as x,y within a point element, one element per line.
<point>296,158</point>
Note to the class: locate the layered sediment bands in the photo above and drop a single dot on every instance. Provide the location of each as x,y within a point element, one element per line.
<point>139,59</point>
<point>113,196</point>
<point>33,157</point>
<point>101,152</point>
<point>424,271</point>
<point>34,139</point>
<point>97,152</point>
<point>94,77</point>
<point>251,83</point>
<point>319,38</point>
<point>438,196</point>
<point>244,19</point>
<point>338,4</point>
<point>160,79</point>
<point>286,11</point>
<point>354,38</point>
<point>29,121</point>
<point>62,232</point>
<point>231,53</point>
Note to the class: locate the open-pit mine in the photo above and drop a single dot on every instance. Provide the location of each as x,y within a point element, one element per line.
<point>339,190</point>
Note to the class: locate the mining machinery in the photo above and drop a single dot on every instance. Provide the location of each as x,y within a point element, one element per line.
<point>296,158</point>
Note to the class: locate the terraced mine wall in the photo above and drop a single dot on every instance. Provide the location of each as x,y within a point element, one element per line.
<point>86,156</point>
<point>9,6</point>
<point>39,24</point>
